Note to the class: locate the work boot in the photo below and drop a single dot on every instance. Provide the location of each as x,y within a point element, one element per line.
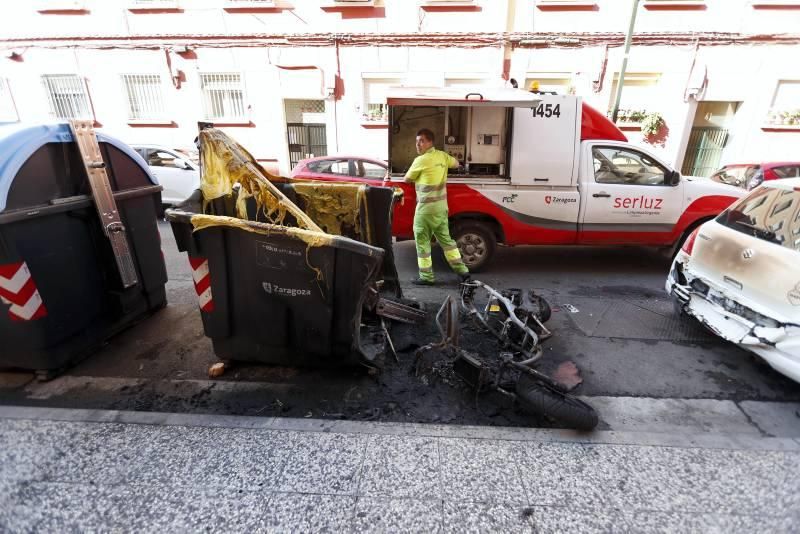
<point>421,282</point>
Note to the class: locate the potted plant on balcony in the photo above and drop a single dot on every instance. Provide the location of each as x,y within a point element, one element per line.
<point>652,123</point>
<point>637,116</point>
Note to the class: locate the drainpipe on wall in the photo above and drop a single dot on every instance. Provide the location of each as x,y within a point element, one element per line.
<point>621,80</point>
<point>508,48</point>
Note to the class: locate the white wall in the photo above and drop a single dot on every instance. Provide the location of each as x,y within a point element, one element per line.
<point>745,74</point>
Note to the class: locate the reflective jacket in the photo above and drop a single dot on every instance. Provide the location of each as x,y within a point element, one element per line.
<point>429,174</point>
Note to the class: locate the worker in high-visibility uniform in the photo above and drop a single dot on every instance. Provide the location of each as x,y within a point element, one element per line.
<point>428,173</point>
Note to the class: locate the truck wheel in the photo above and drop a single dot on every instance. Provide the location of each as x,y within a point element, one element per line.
<point>476,242</point>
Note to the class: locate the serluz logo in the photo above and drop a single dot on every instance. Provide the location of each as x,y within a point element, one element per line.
<point>273,289</point>
<point>639,202</point>
<point>559,200</point>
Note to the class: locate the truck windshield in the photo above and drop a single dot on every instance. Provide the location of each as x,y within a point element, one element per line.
<point>616,165</point>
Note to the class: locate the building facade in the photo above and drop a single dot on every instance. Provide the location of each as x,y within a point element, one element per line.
<point>290,79</point>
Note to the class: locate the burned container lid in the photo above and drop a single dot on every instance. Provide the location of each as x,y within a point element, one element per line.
<point>19,142</point>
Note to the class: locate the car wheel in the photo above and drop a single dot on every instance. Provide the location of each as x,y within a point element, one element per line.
<point>477,244</point>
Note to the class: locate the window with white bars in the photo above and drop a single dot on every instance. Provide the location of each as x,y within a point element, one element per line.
<point>67,96</point>
<point>8,112</point>
<point>145,96</point>
<point>223,96</point>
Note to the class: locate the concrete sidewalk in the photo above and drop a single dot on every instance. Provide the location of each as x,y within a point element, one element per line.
<point>81,470</point>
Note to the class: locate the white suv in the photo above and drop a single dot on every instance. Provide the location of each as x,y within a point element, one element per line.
<point>177,171</point>
<point>739,274</point>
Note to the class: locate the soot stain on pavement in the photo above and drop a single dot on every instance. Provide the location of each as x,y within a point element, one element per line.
<point>396,394</point>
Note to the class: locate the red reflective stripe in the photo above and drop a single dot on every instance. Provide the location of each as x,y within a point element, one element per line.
<point>10,269</point>
<point>203,284</point>
<point>41,312</point>
<point>18,290</point>
<point>21,297</point>
<point>196,261</point>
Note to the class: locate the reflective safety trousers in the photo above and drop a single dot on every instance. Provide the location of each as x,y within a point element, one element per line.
<point>427,224</point>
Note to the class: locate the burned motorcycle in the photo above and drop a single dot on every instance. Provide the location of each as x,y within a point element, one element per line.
<point>516,318</point>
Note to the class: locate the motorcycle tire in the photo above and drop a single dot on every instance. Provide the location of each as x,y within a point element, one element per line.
<point>543,310</point>
<point>542,399</point>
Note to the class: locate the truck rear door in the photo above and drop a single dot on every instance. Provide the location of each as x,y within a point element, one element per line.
<point>627,196</point>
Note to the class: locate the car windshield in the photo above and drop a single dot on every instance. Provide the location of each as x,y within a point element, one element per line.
<point>191,155</point>
<point>769,214</point>
<point>737,176</point>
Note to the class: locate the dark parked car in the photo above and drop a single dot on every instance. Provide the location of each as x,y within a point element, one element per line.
<point>750,175</point>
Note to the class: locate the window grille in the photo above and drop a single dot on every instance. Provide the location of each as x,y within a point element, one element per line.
<point>305,111</point>
<point>67,96</point>
<point>145,98</point>
<point>223,96</point>
<point>8,111</point>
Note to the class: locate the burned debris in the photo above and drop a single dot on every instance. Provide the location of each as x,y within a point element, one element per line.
<point>515,318</point>
<point>297,274</point>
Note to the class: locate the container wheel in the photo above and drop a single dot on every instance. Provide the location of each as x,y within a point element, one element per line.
<point>542,399</point>
<point>476,242</point>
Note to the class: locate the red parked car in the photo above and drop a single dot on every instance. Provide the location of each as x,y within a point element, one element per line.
<point>358,169</point>
<point>339,168</point>
<point>750,175</point>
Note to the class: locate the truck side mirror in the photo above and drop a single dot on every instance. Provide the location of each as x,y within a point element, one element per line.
<point>674,178</point>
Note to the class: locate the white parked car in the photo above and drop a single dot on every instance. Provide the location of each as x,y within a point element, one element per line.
<point>739,274</point>
<point>177,170</point>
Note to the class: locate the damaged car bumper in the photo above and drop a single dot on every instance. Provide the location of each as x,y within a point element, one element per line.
<point>778,343</point>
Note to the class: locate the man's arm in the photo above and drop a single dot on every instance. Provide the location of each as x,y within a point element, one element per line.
<point>452,162</point>
<point>412,175</point>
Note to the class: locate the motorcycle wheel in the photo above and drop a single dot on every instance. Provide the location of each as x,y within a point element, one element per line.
<point>542,399</point>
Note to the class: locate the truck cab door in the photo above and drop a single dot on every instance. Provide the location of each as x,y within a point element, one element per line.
<point>628,196</point>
